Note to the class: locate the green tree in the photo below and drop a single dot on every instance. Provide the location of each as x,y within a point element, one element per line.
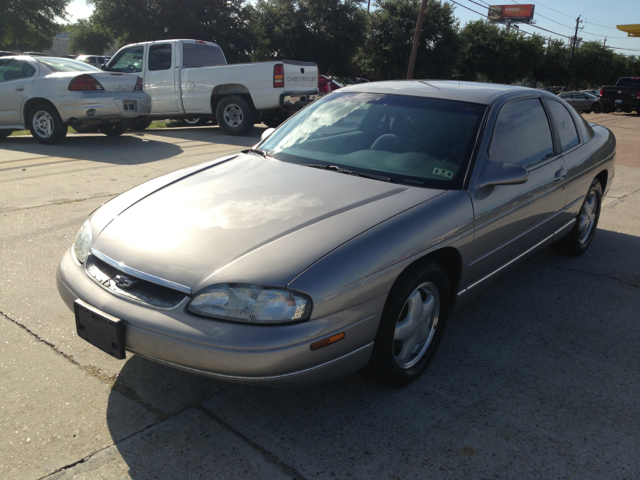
<point>392,27</point>
<point>554,68</point>
<point>498,54</point>
<point>85,37</point>
<point>27,25</point>
<point>220,21</point>
<point>591,65</point>
<point>327,32</point>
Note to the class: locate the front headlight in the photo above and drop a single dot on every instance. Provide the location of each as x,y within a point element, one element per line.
<point>251,304</point>
<point>82,244</point>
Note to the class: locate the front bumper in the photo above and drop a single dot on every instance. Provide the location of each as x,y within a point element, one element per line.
<point>273,355</point>
<point>107,105</point>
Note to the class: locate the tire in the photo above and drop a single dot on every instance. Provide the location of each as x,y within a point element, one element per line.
<point>139,125</point>
<point>46,125</point>
<point>403,348</point>
<point>5,133</point>
<point>583,232</point>
<point>234,115</point>
<point>195,121</point>
<point>596,108</point>
<point>113,129</point>
<point>85,128</point>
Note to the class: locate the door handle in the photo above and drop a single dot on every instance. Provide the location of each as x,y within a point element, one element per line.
<point>20,88</point>
<point>560,175</point>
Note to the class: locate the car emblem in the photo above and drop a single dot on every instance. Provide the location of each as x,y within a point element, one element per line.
<point>124,281</point>
<point>619,92</point>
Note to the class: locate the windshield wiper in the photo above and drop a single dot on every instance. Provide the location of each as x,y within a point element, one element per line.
<point>335,168</point>
<point>256,150</point>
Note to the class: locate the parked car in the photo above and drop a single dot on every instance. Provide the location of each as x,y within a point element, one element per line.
<point>95,60</point>
<point>624,96</point>
<point>6,54</point>
<point>190,78</point>
<point>582,101</point>
<point>595,92</point>
<point>47,94</point>
<point>344,239</point>
<point>327,84</point>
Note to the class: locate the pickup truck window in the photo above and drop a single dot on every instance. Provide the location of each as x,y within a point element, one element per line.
<point>128,60</point>
<point>202,55</point>
<point>629,82</point>
<point>160,57</point>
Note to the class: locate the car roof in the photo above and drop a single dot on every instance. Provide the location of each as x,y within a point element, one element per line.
<point>481,93</point>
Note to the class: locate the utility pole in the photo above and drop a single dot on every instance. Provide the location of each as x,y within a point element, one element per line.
<point>369,6</point>
<point>604,44</point>
<point>575,40</point>
<point>416,40</point>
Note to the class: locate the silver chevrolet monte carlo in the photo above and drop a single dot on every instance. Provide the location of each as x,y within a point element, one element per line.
<point>47,94</point>
<point>344,239</point>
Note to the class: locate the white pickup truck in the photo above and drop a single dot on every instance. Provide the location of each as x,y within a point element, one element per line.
<point>191,78</point>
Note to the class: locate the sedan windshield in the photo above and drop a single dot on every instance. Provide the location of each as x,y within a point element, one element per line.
<point>56,64</point>
<point>409,140</point>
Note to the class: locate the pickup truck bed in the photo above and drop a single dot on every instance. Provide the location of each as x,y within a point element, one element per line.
<point>624,96</point>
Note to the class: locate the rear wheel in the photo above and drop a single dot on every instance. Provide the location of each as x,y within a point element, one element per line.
<point>139,125</point>
<point>578,241</point>
<point>46,125</point>
<point>113,129</point>
<point>234,115</point>
<point>411,326</point>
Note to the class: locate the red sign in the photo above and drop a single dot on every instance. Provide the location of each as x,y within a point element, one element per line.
<point>511,13</point>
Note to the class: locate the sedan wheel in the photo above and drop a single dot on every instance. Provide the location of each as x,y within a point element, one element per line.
<point>46,125</point>
<point>581,236</point>
<point>596,108</point>
<point>411,326</point>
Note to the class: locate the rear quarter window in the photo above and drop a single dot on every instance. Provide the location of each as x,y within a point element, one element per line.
<point>202,55</point>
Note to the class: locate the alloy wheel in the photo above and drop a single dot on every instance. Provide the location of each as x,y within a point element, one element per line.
<point>588,218</point>
<point>43,123</point>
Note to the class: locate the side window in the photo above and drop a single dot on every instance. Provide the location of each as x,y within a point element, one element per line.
<point>522,134</point>
<point>28,71</point>
<point>128,60</point>
<point>563,123</point>
<point>10,70</point>
<point>160,57</point>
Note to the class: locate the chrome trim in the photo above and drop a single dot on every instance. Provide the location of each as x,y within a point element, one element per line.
<point>570,224</point>
<point>239,378</point>
<point>507,264</point>
<point>137,273</point>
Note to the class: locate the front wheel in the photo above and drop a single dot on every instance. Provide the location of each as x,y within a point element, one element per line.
<point>46,125</point>
<point>411,326</point>
<point>113,129</point>
<point>578,241</point>
<point>234,115</point>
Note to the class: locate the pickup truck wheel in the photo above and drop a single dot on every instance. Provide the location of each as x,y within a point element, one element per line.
<point>234,115</point>
<point>114,129</point>
<point>139,125</point>
<point>46,125</point>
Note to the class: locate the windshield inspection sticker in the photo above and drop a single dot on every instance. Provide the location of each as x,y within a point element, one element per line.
<point>443,172</point>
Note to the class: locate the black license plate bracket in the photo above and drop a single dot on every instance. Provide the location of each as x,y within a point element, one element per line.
<point>100,329</point>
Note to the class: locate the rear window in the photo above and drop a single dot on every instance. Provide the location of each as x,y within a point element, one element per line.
<point>202,55</point>
<point>629,82</point>
<point>57,64</point>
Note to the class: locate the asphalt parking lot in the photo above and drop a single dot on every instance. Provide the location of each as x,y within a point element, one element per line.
<point>539,377</point>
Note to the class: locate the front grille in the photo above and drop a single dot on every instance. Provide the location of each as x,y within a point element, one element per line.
<point>131,287</point>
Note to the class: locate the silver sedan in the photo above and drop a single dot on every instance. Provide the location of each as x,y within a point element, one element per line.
<point>47,94</point>
<point>344,239</point>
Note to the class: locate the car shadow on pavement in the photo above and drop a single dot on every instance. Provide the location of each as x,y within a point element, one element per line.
<point>127,149</point>
<point>539,373</point>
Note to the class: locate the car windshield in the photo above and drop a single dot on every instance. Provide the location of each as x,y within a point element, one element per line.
<point>410,140</point>
<point>56,64</point>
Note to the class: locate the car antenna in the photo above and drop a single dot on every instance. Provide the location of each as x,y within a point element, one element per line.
<point>422,81</point>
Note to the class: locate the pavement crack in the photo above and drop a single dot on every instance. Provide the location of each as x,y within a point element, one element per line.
<point>288,469</point>
<point>617,199</point>
<point>57,203</point>
<point>576,270</point>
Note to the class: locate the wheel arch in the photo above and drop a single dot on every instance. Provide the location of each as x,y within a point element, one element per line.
<point>603,176</point>
<point>29,104</point>
<point>221,91</point>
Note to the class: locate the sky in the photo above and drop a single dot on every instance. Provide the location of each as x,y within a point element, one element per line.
<point>599,18</point>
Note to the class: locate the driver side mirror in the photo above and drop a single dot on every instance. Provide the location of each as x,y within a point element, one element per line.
<point>103,67</point>
<point>494,173</point>
<point>267,133</point>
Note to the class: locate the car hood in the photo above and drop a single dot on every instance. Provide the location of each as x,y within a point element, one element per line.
<point>249,219</point>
